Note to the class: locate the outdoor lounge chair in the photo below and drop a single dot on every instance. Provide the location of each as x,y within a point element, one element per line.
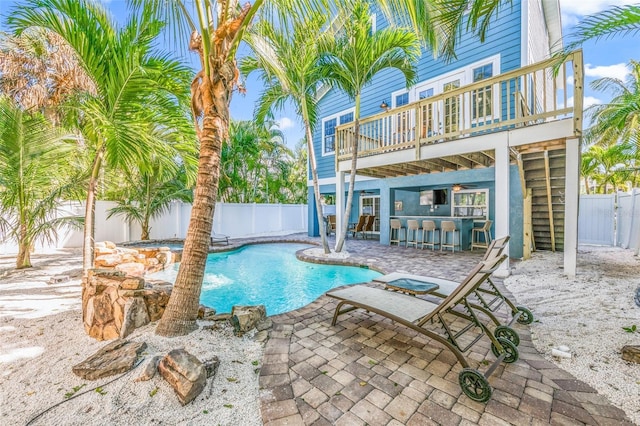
<point>417,314</point>
<point>219,239</point>
<point>445,287</point>
<point>359,227</point>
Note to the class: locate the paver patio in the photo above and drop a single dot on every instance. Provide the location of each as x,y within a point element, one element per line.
<point>370,371</point>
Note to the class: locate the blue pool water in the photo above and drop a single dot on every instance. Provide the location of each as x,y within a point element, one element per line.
<point>268,274</point>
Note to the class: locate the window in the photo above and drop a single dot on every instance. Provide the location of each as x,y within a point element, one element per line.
<point>482,98</point>
<point>402,99</point>
<point>424,94</point>
<point>471,202</point>
<point>329,125</point>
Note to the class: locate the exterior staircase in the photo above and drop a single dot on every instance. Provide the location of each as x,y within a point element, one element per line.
<point>544,175</point>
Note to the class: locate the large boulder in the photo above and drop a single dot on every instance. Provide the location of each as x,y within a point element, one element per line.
<point>108,260</point>
<point>131,268</point>
<point>244,318</point>
<point>114,358</point>
<point>135,316</point>
<point>185,373</point>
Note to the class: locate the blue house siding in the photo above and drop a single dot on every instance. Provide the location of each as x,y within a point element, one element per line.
<point>503,38</point>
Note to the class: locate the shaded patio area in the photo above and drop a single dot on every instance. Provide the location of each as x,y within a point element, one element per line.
<point>366,370</point>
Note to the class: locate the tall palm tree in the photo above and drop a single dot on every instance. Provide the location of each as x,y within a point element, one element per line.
<point>33,178</point>
<point>138,93</point>
<point>216,28</point>
<point>352,59</point>
<point>287,61</point>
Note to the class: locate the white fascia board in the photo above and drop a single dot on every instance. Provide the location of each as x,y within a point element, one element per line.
<point>553,19</point>
<point>332,180</point>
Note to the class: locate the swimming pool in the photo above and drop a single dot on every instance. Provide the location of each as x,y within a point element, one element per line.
<point>270,275</point>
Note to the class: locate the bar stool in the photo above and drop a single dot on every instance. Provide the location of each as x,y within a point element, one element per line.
<point>412,231</point>
<point>429,226</point>
<point>446,227</point>
<point>396,226</point>
<point>483,230</point>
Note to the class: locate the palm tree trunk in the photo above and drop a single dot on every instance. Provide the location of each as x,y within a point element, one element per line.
<point>352,176</point>
<point>316,188</point>
<point>24,249</point>
<point>586,184</point>
<point>180,315</point>
<point>90,214</point>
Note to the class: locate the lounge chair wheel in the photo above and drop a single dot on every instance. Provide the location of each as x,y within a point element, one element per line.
<point>526,317</point>
<point>475,385</point>
<point>508,346</point>
<point>507,333</point>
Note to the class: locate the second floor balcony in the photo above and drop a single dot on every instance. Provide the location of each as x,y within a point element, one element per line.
<point>538,94</point>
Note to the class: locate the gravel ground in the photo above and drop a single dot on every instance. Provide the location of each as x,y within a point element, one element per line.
<point>587,314</point>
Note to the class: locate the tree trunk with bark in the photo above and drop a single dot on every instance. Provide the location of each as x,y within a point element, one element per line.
<point>24,249</point>
<point>316,187</point>
<point>90,214</point>
<point>180,315</point>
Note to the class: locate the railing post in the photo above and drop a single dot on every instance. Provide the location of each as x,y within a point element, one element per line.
<point>578,92</point>
<point>416,136</point>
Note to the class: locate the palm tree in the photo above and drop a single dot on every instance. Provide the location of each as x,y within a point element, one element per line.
<point>216,28</point>
<point>150,193</point>
<point>138,94</point>
<point>619,119</point>
<point>617,21</point>
<point>353,58</point>
<point>32,160</point>
<point>287,62</point>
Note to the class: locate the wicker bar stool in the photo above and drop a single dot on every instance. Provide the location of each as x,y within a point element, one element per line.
<point>446,227</point>
<point>429,226</point>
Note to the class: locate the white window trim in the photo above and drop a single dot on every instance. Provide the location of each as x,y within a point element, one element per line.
<point>335,116</point>
<point>467,191</point>
<point>374,22</point>
<point>399,92</point>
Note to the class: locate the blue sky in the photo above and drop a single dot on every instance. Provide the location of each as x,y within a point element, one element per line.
<point>606,58</point>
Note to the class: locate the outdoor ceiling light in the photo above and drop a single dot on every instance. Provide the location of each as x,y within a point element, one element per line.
<point>456,187</point>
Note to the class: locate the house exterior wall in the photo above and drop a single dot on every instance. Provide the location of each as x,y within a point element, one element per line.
<point>509,44</point>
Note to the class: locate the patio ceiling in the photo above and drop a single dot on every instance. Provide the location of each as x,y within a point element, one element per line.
<point>474,160</point>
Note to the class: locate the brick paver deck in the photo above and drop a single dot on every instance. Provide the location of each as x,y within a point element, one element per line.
<point>367,370</point>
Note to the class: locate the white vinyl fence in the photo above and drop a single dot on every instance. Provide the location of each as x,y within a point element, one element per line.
<point>234,220</point>
<point>628,223</point>
<point>610,219</point>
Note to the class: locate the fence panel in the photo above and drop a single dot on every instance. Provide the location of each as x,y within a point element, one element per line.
<point>596,219</point>
<point>629,219</point>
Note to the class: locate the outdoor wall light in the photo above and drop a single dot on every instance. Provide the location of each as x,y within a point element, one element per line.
<point>384,106</point>
<point>456,187</point>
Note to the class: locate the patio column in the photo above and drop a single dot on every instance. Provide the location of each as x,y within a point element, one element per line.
<point>501,215</point>
<point>571,200</point>
<point>340,203</point>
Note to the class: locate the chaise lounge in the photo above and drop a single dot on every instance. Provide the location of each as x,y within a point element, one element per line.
<point>417,314</point>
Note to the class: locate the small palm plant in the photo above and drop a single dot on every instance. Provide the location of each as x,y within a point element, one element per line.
<point>33,178</point>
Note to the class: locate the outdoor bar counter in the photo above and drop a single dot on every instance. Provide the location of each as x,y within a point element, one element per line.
<point>463,225</point>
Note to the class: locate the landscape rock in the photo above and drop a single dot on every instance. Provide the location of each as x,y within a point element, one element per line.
<point>108,260</point>
<point>636,298</point>
<point>211,366</point>
<point>99,251</point>
<point>131,268</point>
<point>206,313</point>
<point>185,373</point>
<point>110,244</point>
<point>149,370</point>
<point>156,301</point>
<point>135,316</point>
<point>631,353</point>
<point>132,283</point>
<point>114,358</point>
<point>245,318</point>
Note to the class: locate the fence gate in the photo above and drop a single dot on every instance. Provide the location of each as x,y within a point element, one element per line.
<point>628,219</point>
<point>596,219</point>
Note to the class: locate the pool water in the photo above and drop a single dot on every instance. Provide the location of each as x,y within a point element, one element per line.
<point>270,275</point>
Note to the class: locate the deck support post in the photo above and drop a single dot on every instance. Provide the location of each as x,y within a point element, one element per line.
<point>501,216</point>
<point>571,200</point>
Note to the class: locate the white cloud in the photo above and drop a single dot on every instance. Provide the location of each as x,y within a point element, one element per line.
<point>618,71</point>
<point>285,123</point>
<point>586,102</point>
<point>570,80</point>
<point>588,7</point>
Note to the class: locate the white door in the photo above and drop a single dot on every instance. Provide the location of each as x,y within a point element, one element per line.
<point>370,205</point>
